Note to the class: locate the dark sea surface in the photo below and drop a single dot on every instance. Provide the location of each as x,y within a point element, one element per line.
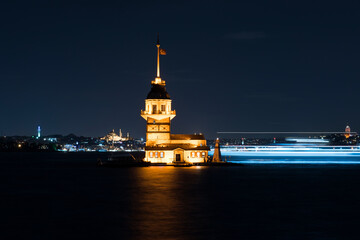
<point>65,196</point>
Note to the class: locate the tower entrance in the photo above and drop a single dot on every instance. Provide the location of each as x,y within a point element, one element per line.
<point>178,155</point>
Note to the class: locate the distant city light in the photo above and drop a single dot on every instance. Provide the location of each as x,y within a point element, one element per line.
<point>38,132</point>
<point>307,140</point>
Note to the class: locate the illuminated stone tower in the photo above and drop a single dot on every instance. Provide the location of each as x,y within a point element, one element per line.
<point>158,113</point>
<point>162,146</point>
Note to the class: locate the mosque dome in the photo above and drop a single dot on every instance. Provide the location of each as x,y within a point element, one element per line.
<point>158,92</point>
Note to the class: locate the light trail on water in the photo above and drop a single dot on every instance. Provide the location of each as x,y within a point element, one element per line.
<point>286,132</point>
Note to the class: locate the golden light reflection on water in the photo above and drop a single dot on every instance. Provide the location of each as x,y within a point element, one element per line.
<point>160,202</point>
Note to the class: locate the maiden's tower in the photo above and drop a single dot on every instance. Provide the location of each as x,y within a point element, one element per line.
<point>161,145</point>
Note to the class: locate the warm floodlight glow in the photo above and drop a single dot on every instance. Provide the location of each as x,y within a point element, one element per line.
<point>162,146</point>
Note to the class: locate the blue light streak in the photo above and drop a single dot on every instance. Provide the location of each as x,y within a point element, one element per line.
<point>295,155</point>
<point>295,162</point>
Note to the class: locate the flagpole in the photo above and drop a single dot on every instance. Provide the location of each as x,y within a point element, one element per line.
<point>158,56</point>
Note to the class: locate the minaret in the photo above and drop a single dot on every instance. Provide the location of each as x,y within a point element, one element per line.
<point>158,113</point>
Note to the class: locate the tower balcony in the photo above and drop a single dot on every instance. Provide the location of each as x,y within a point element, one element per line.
<point>158,115</point>
<point>173,112</point>
<point>158,81</point>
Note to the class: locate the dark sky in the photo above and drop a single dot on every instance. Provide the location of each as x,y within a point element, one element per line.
<point>85,67</point>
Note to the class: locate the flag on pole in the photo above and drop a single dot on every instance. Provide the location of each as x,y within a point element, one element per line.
<point>162,51</point>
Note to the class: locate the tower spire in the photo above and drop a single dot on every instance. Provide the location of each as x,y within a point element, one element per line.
<point>158,56</point>
<point>160,51</point>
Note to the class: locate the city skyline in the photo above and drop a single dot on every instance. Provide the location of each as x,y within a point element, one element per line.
<point>85,68</point>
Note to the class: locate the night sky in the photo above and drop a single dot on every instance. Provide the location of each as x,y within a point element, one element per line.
<point>86,67</point>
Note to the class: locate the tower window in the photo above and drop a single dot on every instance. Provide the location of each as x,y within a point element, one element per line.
<point>156,154</point>
<point>161,154</point>
<point>150,154</point>
<point>198,154</point>
<point>163,108</point>
<point>154,107</point>
<point>192,154</point>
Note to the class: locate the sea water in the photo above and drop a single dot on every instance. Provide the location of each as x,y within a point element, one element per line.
<point>66,196</point>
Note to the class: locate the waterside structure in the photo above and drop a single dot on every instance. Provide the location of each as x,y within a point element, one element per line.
<point>161,146</point>
<point>217,154</point>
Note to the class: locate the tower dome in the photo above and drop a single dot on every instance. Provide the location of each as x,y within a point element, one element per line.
<point>158,92</point>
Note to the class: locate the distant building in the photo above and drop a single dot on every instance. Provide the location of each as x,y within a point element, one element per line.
<point>38,132</point>
<point>161,145</point>
<point>347,131</point>
<point>113,137</point>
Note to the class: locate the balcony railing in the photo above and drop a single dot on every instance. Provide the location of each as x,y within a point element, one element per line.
<point>173,112</point>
